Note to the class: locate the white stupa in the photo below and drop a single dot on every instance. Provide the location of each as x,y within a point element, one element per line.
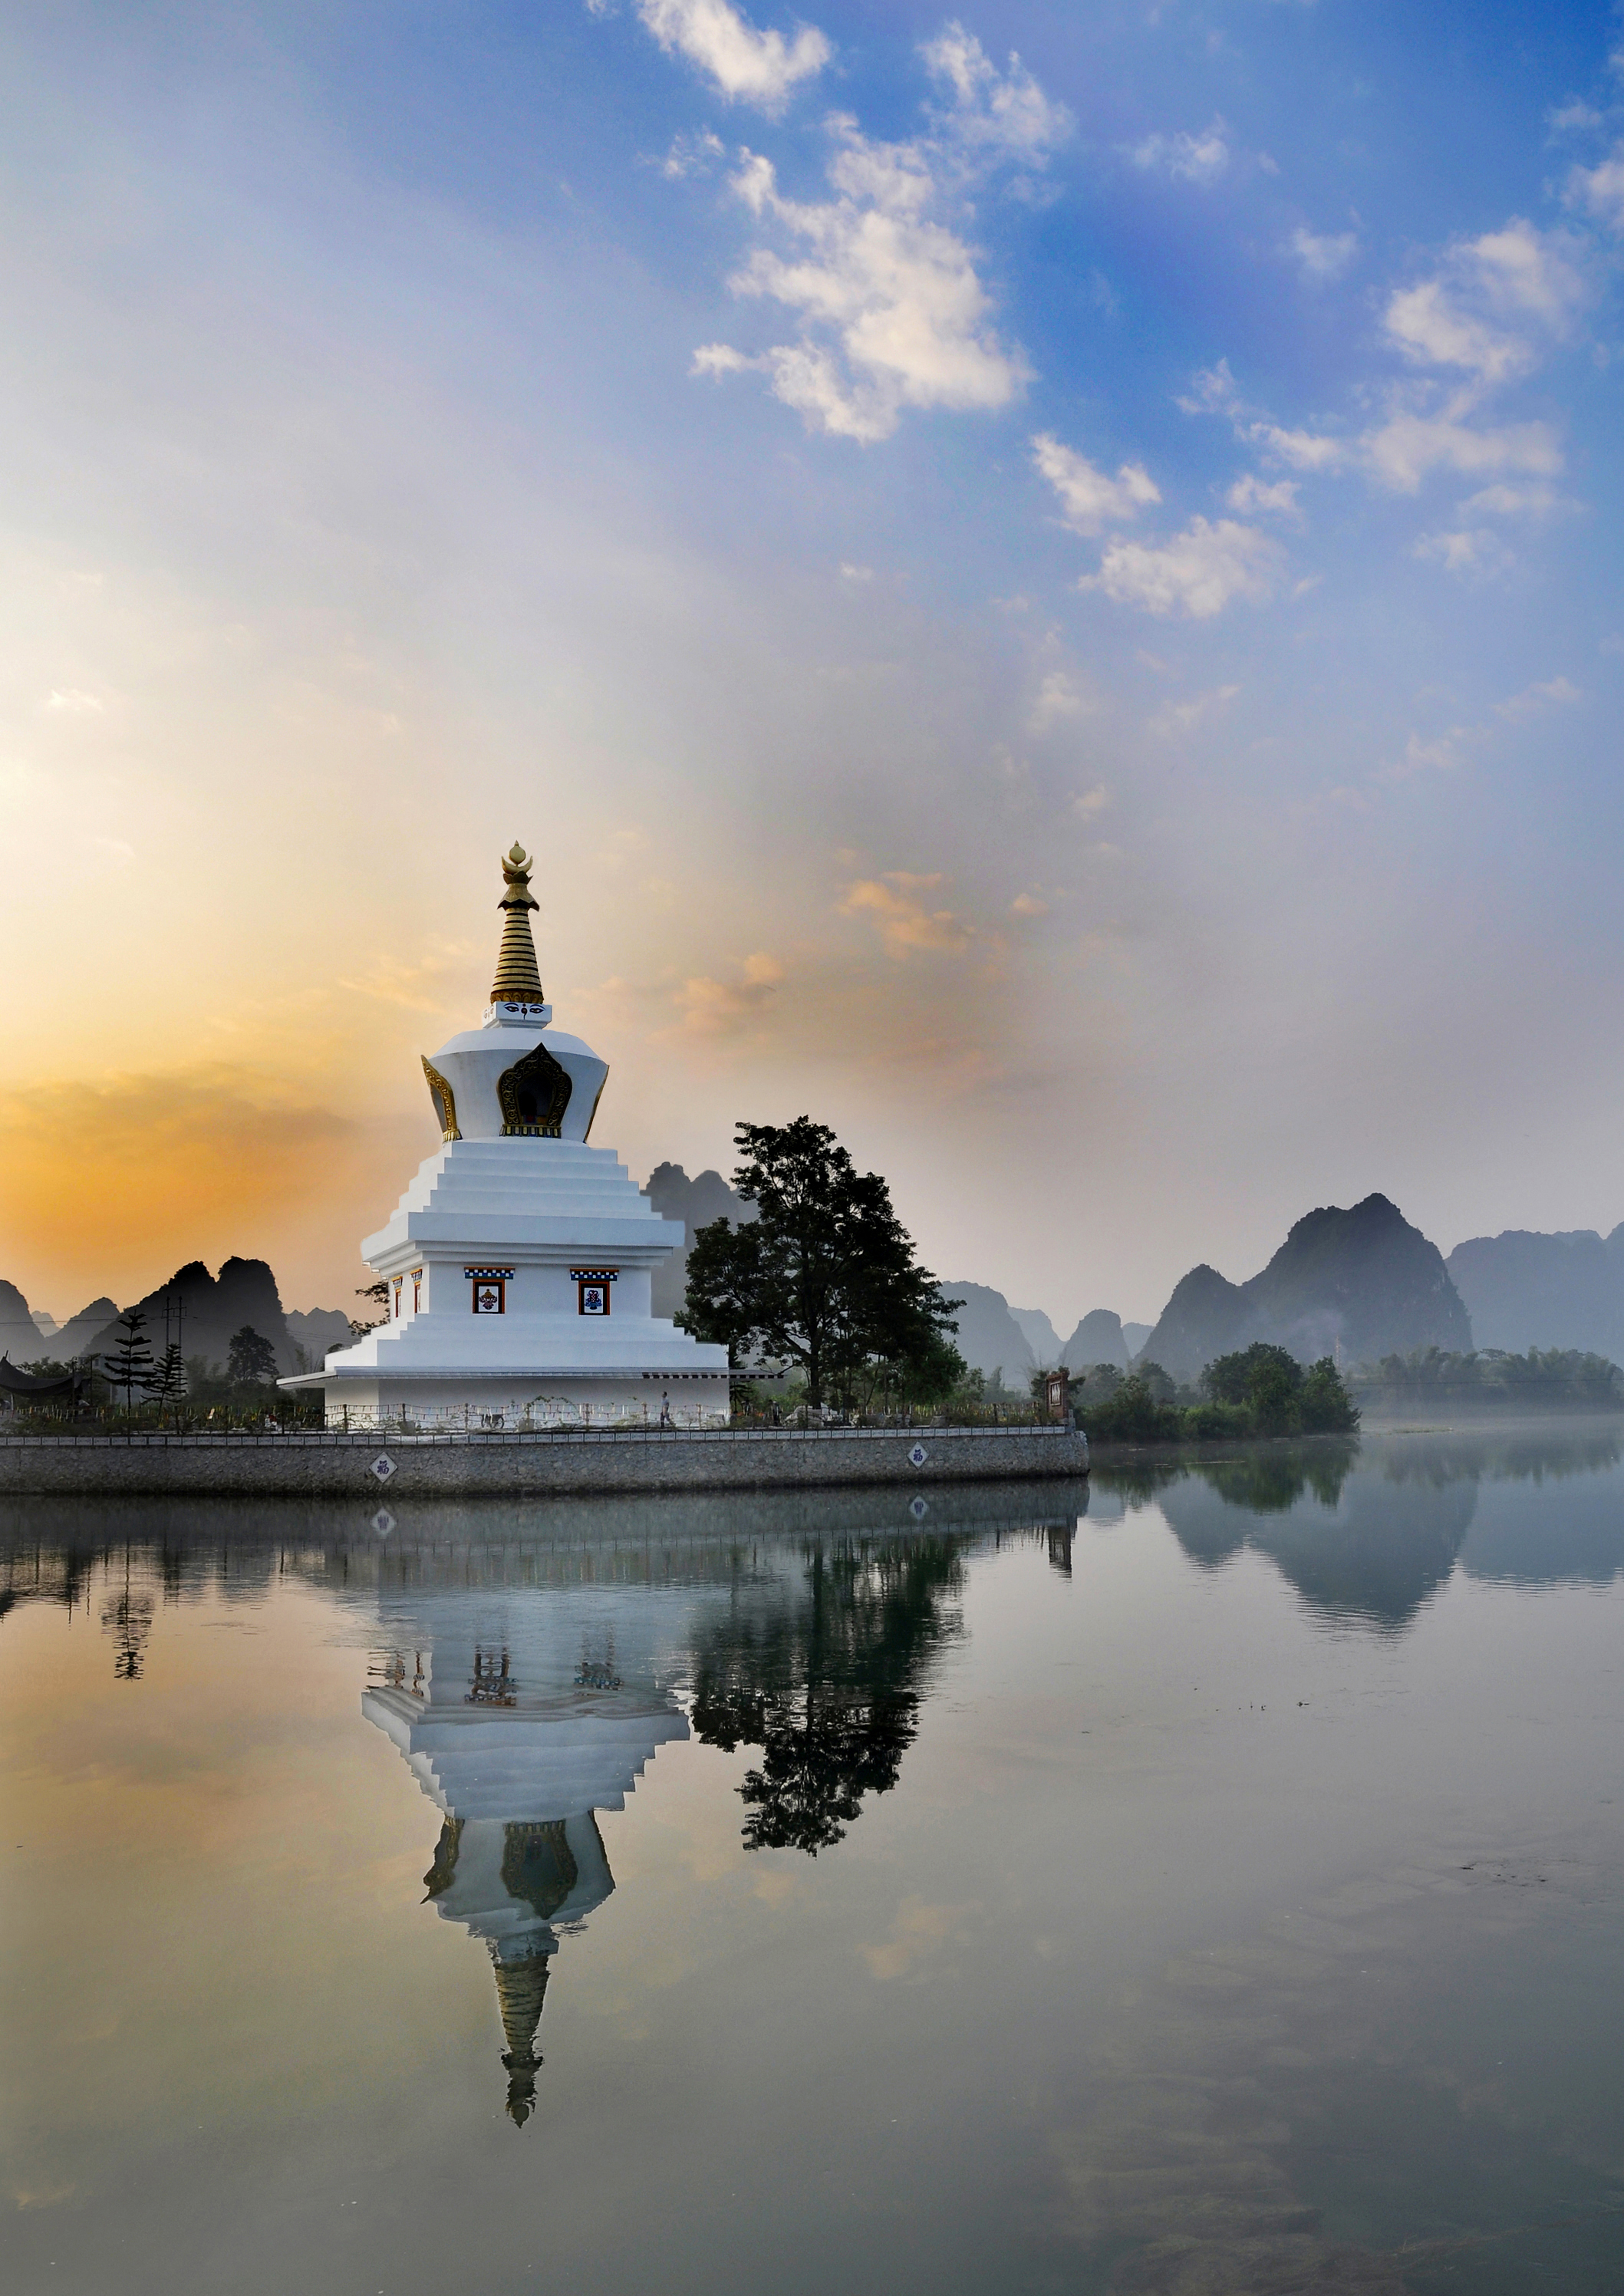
<point>518,1261</point>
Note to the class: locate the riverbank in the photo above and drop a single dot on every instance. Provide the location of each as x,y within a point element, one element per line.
<point>333,1465</point>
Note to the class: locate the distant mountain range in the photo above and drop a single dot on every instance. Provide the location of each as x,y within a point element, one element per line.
<point>1357,1284</point>
<point>994,1338</point>
<point>1525,1291</point>
<point>1360,1282</point>
<point>204,1312</point>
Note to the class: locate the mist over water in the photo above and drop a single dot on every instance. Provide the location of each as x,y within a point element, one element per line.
<point>1209,1880</point>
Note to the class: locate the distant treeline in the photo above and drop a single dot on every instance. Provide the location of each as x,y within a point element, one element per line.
<point>1545,1379</point>
<point>1257,1390</point>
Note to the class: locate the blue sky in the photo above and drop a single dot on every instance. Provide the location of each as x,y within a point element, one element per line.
<point>1044,581</point>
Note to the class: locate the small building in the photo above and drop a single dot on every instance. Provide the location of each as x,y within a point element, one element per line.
<point>517,1264</point>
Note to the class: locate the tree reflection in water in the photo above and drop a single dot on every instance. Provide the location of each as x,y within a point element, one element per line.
<point>827,1682</point>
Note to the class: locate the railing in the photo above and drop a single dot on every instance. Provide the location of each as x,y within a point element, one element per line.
<point>373,1438</point>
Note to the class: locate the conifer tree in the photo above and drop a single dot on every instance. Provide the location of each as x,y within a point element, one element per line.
<point>130,1364</point>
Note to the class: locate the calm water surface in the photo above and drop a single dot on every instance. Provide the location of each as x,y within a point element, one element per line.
<point>1206,1884</point>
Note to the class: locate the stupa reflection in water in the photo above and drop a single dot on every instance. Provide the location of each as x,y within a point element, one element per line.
<point>519,1725</point>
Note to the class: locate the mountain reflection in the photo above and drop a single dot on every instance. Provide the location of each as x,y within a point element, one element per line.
<point>1369,1532</point>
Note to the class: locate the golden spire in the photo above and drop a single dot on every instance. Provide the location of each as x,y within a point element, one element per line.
<point>521,1986</point>
<point>517,980</point>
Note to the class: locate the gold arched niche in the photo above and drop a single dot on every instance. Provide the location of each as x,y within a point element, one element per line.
<point>534,1094</point>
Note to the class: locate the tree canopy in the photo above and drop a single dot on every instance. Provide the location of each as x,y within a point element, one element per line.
<point>1281,1398</point>
<point>824,1276</point>
<point>252,1358</point>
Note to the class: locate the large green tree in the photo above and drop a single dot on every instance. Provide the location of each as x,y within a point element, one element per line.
<point>825,1276</point>
<point>251,1360</point>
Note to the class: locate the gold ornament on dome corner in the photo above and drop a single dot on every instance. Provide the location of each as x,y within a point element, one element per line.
<point>444,1099</point>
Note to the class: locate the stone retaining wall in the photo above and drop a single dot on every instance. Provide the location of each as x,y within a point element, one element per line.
<point>324,1465</point>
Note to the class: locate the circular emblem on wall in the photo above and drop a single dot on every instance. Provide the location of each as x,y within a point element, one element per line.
<point>383,1467</point>
<point>919,1509</point>
<point>383,1522</point>
<point>918,1455</point>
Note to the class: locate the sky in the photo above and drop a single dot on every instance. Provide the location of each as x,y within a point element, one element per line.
<point>1043,583</point>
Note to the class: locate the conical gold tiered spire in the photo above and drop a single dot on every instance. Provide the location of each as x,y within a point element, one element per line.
<point>517,980</point>
<point>521,1987</point>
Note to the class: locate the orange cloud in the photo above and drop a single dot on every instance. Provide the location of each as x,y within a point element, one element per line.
<point>720,1008</point>
<point>113,1182</point>
<point>904,923</point>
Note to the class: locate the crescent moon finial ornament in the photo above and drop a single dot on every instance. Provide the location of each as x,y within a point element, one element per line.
<point>518,981</point>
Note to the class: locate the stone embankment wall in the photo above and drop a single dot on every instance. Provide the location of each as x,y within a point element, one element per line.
<point>511,1466</point>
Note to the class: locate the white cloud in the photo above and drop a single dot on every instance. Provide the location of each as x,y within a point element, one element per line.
<point>1428,326</point>
<point>1089,499</point>
<point>721,358</point>
<point>1058,697</point>
<point>1183,717</point>
<point>1212,391</point>
<point>1517,274</point>
<point>1252,494</point>
<point>692,155</point>
<point>1189,158</point>
<point>1301,450</point>
<point>1477,554</point>
<point>751,67</point>
<point>1003,111</point>
<point>850,573</point>
<point>1599,190</point>
<point>1197,573</point>
<point>1575,118</point>
<point>1442,753</point>
<point>1535,501</point>
<point>1407,446</point>
<point>894,293</point>
<point>67,700</point>
<point>1323,257</point>
<point>1424,433</point>
<point>1091,803</point>
<point>1556,692</point>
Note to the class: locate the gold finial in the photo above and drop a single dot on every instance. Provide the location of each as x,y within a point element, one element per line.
<point>517,980</point>
<point>521,1986</point>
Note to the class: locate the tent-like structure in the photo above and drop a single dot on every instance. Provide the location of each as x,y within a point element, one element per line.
<point>35,1387</point>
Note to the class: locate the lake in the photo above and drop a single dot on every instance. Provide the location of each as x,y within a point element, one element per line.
<point>1210,1880</point>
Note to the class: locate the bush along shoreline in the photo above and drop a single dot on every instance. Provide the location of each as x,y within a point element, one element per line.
<point>1259,1391</point>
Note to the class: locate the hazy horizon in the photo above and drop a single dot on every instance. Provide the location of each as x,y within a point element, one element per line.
<point>1017,1305</point>
<point>1050,608</point>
